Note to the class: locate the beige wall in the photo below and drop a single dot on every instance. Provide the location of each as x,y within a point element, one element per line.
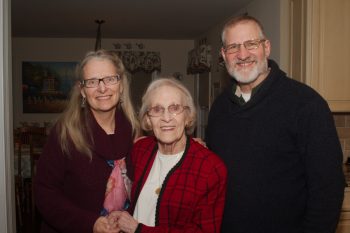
<point>173,55</point>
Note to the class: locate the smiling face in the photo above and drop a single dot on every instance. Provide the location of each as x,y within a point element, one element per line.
<point>246,66</point>
<point>168,129</point>
<point>101,99</point>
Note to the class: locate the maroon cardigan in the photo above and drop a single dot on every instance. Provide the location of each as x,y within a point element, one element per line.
<point>193,193</point>
<point>69,190</point>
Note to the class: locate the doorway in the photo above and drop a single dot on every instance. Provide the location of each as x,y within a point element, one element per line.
<point>138,83</point>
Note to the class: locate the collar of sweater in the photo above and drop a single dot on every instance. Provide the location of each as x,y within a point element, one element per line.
<point>113,146</point>
<point>259,91</point>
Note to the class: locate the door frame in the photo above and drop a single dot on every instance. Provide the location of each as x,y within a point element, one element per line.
<point>7,203</point>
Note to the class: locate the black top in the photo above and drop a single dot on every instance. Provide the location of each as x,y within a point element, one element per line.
<point>283,157</point>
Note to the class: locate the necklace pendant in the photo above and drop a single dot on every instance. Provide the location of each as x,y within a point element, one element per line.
<point>157,191</point>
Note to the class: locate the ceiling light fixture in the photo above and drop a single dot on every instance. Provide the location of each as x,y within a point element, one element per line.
<point>98,36</point>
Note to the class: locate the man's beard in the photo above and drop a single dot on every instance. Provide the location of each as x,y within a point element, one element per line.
<point>246,75</point>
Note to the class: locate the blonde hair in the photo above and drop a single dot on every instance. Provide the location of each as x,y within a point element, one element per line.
<point>185,94</point>
<point>73,125</point>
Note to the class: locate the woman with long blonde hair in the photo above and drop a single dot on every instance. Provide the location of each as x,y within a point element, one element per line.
<point>94,134</point>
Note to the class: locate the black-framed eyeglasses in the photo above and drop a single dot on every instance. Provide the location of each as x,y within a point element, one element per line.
<point>249,45</point>
<point>173,109</point>
<point>94,82</point>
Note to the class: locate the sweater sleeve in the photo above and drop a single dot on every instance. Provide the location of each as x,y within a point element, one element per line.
<point>56,210</point>
<point>322,156</point>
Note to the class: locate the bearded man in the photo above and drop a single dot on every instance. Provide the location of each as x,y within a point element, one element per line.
<point>278,140</point>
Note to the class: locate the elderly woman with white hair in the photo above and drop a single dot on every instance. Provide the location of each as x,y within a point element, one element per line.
<point>179,185</point>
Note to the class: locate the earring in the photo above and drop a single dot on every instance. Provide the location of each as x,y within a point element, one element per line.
<point>83,102</point>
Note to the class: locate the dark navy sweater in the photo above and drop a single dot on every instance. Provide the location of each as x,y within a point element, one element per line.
<point>283,157</point>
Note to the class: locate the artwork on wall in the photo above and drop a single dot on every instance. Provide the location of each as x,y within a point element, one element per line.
<point>46,86</point>
<point>199,60</point>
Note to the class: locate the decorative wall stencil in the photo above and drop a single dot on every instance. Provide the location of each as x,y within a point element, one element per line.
<point>128,46</point>
<point>46,86</point>
<point>135,58</point>
<point>140,61</point>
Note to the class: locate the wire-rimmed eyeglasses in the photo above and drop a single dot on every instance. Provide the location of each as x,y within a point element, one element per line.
<point>173,109</point>
<point>249,45</point>
<point>94,82</point>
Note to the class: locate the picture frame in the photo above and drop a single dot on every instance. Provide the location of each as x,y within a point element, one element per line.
<point>46,85</point>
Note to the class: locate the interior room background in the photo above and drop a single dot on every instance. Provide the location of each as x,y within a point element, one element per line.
<point>173,54</point>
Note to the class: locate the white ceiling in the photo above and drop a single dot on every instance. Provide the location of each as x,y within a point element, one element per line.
<point>147,19</point>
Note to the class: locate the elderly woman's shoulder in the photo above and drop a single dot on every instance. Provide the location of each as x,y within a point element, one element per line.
<point>144,141</point>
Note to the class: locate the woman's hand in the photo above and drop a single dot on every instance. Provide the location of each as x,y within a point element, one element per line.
<point>123,220</point>
<point>103,225</point>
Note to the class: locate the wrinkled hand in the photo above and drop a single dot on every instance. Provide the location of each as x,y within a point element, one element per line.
<point>102,225</point>
<point>124,221</point>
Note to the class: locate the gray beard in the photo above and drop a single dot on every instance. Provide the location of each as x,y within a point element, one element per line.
<point>246,78</point>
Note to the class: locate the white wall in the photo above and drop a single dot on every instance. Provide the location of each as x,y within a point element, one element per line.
<point>173,56</point>
<point>268,12</point>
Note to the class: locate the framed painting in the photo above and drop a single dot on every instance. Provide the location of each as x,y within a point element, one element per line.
<point>46,86</point>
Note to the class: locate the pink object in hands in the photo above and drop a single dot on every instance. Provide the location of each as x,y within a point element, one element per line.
<point>116,194</point>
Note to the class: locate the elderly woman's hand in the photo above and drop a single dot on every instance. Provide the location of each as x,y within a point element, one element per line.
<point>103,225</point>
<point>124,221</point>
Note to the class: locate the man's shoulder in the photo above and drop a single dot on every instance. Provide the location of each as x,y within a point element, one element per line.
<point>284,84</point>
<point>296,89</point>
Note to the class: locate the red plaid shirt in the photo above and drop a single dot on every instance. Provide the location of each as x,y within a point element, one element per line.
<point>193,193</point>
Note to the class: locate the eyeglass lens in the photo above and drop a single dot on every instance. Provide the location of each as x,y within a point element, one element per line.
<point>173,109</point>
<point>249,45</point>
<point>108,80</point>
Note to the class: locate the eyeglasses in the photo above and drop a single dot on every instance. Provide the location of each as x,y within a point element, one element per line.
<point>249,44</point>
<point>94,82</point>
<point>173,109</point>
